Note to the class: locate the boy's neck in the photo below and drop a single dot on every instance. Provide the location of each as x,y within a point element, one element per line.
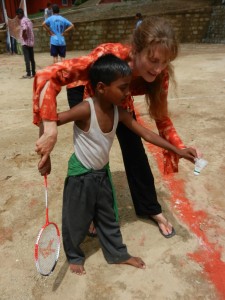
<point>103,103</point>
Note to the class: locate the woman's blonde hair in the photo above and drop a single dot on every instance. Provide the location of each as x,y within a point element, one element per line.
<point>154,31</point>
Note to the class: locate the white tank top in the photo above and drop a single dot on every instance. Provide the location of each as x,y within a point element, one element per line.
<point>92,147</point>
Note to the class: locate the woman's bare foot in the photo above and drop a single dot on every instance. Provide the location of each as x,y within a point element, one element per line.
<point>136,262</point>
<point>165,227</point>
<point>77,269</point>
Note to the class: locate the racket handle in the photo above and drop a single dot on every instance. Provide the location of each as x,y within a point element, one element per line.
<point>46,197</point>
<point>45,180</point>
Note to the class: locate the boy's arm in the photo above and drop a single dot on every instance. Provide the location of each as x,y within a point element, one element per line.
<point>153,138</point>
<point>80,112</point>
<point>46,27</point>
<point>54,77</point>
<point>68,29</point>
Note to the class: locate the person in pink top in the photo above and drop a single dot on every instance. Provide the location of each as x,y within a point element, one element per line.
<point>27,41</point>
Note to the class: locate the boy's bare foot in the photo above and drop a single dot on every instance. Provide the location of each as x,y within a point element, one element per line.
<point>136,262</point>
<point>165,227</point>
<point>77,269</point>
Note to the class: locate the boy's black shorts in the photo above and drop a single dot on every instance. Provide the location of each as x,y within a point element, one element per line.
<point>58,50</point>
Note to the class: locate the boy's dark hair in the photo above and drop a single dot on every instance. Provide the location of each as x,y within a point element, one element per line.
<point>19,11</point>
<point>55,9</point>
<point>49,4</point>
<point>107,69</point>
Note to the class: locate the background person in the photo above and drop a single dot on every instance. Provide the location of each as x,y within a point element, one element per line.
<point>153,47</point>
<point>57,26</point>
<point>27,41</point>
<point>48,11</point>
<point>139,19</point>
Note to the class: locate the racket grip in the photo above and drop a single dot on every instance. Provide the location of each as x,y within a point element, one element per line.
<point>45,180</point>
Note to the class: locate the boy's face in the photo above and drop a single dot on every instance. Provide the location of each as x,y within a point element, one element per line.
<point>117,91</point>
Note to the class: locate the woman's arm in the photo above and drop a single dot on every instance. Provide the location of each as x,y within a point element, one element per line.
<point>65,73</point>
<point>47,85</point>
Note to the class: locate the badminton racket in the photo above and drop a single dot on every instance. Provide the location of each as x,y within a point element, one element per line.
<point>48,242</point>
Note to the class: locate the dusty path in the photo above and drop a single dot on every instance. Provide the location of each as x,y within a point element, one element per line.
<point>188,266</point>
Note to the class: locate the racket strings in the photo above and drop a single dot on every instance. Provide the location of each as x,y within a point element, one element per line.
<point>48,249</point>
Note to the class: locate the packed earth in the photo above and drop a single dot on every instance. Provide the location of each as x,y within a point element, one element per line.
<point>191,265</point>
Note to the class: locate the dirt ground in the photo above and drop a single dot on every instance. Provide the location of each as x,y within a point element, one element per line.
<point>191,265</point>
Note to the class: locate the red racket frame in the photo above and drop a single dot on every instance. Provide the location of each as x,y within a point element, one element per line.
<point>47,223</point>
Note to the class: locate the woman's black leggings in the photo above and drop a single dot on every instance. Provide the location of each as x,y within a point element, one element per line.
<point>139,175</point>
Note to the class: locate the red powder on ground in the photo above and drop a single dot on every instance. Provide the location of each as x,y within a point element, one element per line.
<point>209,254</point>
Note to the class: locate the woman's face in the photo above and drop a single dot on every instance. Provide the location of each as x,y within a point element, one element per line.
<point>149,64</point>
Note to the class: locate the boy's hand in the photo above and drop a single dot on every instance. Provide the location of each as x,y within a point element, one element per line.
<point>46,168</point>
<point>189,154</point>
<point>44,146</point>
<point>199,153</point>
<point>46,142</point>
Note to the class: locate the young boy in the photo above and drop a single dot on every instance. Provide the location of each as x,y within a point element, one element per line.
<point>88,193</point>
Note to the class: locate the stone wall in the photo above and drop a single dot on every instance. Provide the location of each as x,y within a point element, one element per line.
<point>2,41</point>
<point>191,27</point>
<point>216,28</point>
